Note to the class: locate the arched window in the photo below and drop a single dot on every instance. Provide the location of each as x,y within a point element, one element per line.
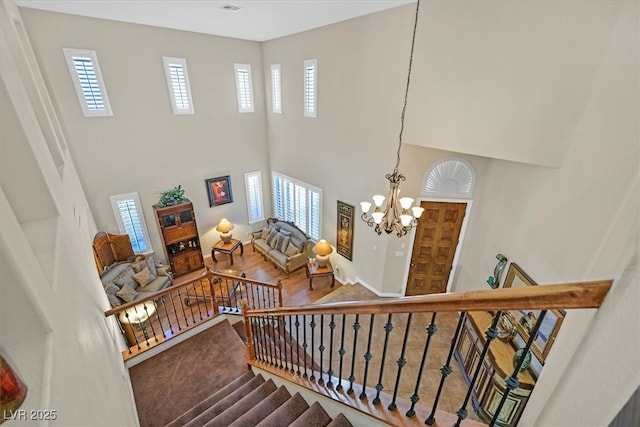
<point>450,178</point>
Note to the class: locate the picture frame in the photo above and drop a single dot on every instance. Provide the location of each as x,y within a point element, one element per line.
<point>516,277</point>
<point>344,240</point>
<point>219,190</point>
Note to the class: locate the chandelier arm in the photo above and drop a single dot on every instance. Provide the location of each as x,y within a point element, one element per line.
<point>406,92</point>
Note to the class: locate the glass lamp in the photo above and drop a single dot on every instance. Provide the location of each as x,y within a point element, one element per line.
<point>322,250</point>
<point>224,227</point>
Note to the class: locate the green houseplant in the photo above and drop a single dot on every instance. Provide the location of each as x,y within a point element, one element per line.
<point>171,197</point>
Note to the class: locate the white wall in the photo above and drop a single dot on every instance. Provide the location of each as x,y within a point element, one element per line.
<point>144,147</point>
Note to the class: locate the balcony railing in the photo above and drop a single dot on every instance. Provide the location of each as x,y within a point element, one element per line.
<point>366,353</point>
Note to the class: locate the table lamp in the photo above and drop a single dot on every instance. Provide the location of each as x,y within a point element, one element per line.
<point>224,227</point>
<point>322,250</point>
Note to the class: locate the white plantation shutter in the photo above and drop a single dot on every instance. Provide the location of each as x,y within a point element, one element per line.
<point>128,213</point>
<point>253,185</point>
<point>87,79</point>
<point>298,202</point>
<point>311,88</point>
<point>178,84</point>
<point>244,87</point>
<point>276,89</point>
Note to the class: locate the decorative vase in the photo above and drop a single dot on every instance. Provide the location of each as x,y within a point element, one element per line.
<point>12,390</point>
<point>525,362</point>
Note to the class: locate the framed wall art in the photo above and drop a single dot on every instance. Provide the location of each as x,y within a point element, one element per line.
<point>344,242</point>
<point>219,190</point>
<point>525,320</point>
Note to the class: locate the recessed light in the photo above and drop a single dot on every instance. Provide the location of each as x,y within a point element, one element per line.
<point>230,7</point>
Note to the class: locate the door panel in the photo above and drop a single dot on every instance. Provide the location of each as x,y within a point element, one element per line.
<point>434,247</point>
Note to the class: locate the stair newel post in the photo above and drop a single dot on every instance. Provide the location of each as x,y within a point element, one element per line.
<point>491,334</point>
<point>431,330</point>
<point>212,292</point>
<point>279,293</point>
<point>446,368</point>
<point>512,382</point>
<point>388,327</point>
<point>367,358</point>
<point>401,362</point>
<point>251,350</point>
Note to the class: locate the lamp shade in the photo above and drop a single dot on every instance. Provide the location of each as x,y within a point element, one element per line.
<point>224,226</point>
<point>322,248</point>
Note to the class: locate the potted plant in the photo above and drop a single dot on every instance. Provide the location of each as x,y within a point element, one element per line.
<point>171,197</point>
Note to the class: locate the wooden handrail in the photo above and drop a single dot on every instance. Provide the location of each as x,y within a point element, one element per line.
<point>563,296</point>
<point>230,276</point>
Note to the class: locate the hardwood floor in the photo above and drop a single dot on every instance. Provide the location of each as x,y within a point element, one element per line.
<point>295,288</point>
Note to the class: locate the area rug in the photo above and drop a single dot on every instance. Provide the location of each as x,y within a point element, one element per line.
<point>173,381</point>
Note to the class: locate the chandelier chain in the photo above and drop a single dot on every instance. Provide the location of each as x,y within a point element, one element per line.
<point>406,92</point>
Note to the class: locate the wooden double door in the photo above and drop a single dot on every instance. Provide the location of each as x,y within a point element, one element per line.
<point>434,247</point>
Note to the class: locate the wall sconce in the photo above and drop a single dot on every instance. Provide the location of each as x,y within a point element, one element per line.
<point>224,227</point>
<point>494,281</point>
<point>322,250</point>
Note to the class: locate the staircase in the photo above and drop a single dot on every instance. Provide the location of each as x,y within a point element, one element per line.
<point>251,401</point>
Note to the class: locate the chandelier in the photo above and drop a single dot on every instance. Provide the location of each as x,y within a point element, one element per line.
<point>397,215</point>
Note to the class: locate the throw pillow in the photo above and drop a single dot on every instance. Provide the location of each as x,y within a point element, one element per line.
<point>292,250</point>
<point>126,278</point>
<point>163,270</point>
<point>273,234</point>
<point>265,233</point>
<point>285,232</point>
<point>127,293</point>
<point>282,243</point>
<point>114,300</point>
<point>139,265</point>
<point>144,277</point>
<point>152,266</point>
<point>111,288</point>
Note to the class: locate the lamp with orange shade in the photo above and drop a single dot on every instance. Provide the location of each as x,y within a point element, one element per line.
<point>224,227</point>
<point>322,250</point>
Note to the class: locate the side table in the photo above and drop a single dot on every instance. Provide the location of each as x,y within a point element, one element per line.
<point>227,248</point>
<point>314,271</point>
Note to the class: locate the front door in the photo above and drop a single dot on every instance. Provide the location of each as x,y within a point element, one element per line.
<point>434,247</point>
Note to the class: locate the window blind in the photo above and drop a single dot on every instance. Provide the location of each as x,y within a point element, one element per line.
<point>298,202</point>
<point>178,85</point>
<point>87,80</point>
<point>128,213</point>
<point>276,89</point>
<point>244,90</point>
<point>310,88</point>
<point>253,186</point>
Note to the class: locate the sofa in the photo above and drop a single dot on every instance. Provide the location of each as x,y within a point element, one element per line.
<point>125,276</point>
<point>282,243</point>
<point>127,281</point>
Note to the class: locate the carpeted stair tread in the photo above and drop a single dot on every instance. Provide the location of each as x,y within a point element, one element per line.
<point>285,414</point>
<point>263,409</point>
<point>239,328</point>
<point>226,402</point>
<point>205,404</point>
<point>314,416</point>
<point>340,421</point>
<point>243,405</point>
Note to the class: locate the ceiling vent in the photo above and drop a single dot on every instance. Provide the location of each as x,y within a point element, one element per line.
<point>230,7</point>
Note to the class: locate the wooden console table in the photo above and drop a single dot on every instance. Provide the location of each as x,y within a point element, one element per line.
<point>496,368</point>
<point>227,248</point>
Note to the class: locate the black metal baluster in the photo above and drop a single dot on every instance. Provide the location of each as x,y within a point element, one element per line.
<point>431,329</point>
<point>272,294</point>
<point>367,358</point>
<point>166,312</point>
<point>240,284</point>
<point>135,336</point>
<point>512,382</point>
<point>188,304</point>
<point>298,344</point>
<point>341,352</point>
<point>228,294</point>
<point>290,334</point>
<point>264,302</point>
<point>446,368</point>
<point>252,304</point>
<point>150,318</point>
<point>401,362</point>
<point>304,344</point>
<point>159,319</point>
<point>256,338</point>
<point>388,327</point>
<point>175,311</point>
<point>352,378</point>
<point>491,334</point>
<point>332,327</point>
<point>321,349</point>
<point>204,298</point>
<point>283,336</point>
<point>277,340</point>
<point>313,326</point>
<point>184,313</point>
